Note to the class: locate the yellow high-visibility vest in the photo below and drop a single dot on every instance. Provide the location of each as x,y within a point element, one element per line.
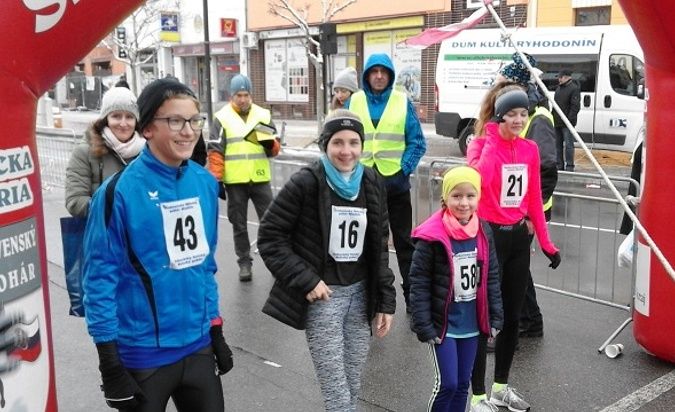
<point>540,111</point>
<point>244,161</point>
<point>384,144</point>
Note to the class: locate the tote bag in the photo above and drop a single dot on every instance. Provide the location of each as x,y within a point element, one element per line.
<point>72,236</point>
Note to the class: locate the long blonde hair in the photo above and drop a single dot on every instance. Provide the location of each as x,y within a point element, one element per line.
<point>487,107</point>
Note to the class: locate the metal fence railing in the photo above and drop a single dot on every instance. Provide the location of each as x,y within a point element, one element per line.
<point>584,223</point>
<point>54,148</point>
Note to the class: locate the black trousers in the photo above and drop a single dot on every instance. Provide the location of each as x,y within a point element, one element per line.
<point>238,196</point>
<point>192,383</point>
<point>400,221</point>
<point>513,253</point>
<point>530,317</point>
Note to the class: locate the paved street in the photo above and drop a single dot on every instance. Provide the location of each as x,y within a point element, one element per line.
<point>273,372</point>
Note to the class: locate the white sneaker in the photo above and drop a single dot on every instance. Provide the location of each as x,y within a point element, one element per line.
<point>510,398</point>
<point>484,406</point>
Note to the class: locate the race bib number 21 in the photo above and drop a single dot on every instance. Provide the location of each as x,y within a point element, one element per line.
<point>514,185</point>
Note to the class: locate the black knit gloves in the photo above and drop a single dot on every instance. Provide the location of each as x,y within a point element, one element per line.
<point>120,389</point>
<point>554,258</point>
<point>221,350</point>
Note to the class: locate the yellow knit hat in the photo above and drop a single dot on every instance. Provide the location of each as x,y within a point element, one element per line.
<point>457,175</point>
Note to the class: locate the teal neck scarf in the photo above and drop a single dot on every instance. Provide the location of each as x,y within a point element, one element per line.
<point>343,184</point>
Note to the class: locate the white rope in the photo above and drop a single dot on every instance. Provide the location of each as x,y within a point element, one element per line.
<point>619,197</point>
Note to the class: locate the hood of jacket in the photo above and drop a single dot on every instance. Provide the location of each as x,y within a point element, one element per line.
<point>97,146</point>
<point>378,59</point>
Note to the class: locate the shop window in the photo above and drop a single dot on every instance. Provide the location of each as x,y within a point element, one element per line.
<point>591,16</point>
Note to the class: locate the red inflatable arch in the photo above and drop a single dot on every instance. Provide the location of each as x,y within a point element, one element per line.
<point>41,40</point>
<point>654,303</point>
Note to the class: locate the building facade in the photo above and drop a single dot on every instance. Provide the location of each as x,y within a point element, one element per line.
<point>284,79</point>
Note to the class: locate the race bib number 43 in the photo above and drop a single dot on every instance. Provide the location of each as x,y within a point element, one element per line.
<point>466,276</point>
<point>184,233</point>
<point>514,185</point>
<point>347,231</point>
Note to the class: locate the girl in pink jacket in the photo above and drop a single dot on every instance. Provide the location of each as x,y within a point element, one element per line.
<point>511,195</point>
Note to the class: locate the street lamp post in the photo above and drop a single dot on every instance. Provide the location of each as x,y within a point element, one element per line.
<point>207,59</point>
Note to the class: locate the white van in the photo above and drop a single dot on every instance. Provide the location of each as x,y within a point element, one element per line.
<point>606,61</point>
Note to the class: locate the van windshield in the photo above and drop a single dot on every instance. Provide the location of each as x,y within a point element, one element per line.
<point>584,70</point>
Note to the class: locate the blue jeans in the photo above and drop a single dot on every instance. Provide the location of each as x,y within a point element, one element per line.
<point>565,139</point>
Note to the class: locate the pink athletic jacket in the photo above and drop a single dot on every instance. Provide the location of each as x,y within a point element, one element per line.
<point>488,154</point>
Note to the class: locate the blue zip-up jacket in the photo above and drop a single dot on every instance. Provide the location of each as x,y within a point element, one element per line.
<point>415,144</point>
<point>155,307</point>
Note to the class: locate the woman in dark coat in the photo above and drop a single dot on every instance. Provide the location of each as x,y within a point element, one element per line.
<point>324,239</point>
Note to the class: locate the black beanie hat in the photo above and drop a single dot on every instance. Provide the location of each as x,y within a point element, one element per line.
<point>337,120</point>
<point>510,100</point>
<point>155,94</point>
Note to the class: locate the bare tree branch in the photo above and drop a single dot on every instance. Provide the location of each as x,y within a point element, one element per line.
<point>338,8</point>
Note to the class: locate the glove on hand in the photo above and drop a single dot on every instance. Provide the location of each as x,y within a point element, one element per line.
<point>434,341</point>
<point>494,332</point>
<point>221,350</point>
<point>554,258</point>
<point>119,388</point>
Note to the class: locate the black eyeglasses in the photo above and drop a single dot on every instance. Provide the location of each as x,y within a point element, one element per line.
<point>178,123</point>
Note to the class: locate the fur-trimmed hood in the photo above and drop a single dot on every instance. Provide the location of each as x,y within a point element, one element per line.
<point>97,146</point>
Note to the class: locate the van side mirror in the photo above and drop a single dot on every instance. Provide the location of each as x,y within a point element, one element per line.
<point>640,94</point>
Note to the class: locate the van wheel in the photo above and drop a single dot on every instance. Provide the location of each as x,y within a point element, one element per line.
<point>465,138</point>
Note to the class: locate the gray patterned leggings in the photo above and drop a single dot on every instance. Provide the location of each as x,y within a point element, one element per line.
<point>338,335</point>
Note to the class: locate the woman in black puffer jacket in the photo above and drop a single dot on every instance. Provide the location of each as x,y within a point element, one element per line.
<point>324,238</point>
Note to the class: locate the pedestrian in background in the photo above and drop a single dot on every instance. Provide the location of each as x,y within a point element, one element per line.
<point>324,239</point>
<point>454,287</point>
<point>151,296</point>
<point>394,145</point>
<point>510,192</point>
<point>111,142</point>
<point>240,161</point>
<point>346,83</point>
<point>568,97</point>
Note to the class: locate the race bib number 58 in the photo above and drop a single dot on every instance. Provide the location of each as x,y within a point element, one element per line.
<point>466,276</point>
<point>347,230</point>
<point>184,234</point>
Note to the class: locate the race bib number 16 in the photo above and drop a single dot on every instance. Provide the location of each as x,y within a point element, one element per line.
<point>184,233</point>
<point>347,230</point>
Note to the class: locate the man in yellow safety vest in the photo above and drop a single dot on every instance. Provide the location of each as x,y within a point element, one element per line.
<point>393,146</point>
<point>246,139</point>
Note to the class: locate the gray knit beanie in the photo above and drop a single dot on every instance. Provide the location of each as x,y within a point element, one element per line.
<point>347,79</point>
<point>118,98</point>
<point>512,99</point>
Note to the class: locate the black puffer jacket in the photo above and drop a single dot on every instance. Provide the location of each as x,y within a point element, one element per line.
<point>293,242</point>
<point>431,282</point>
